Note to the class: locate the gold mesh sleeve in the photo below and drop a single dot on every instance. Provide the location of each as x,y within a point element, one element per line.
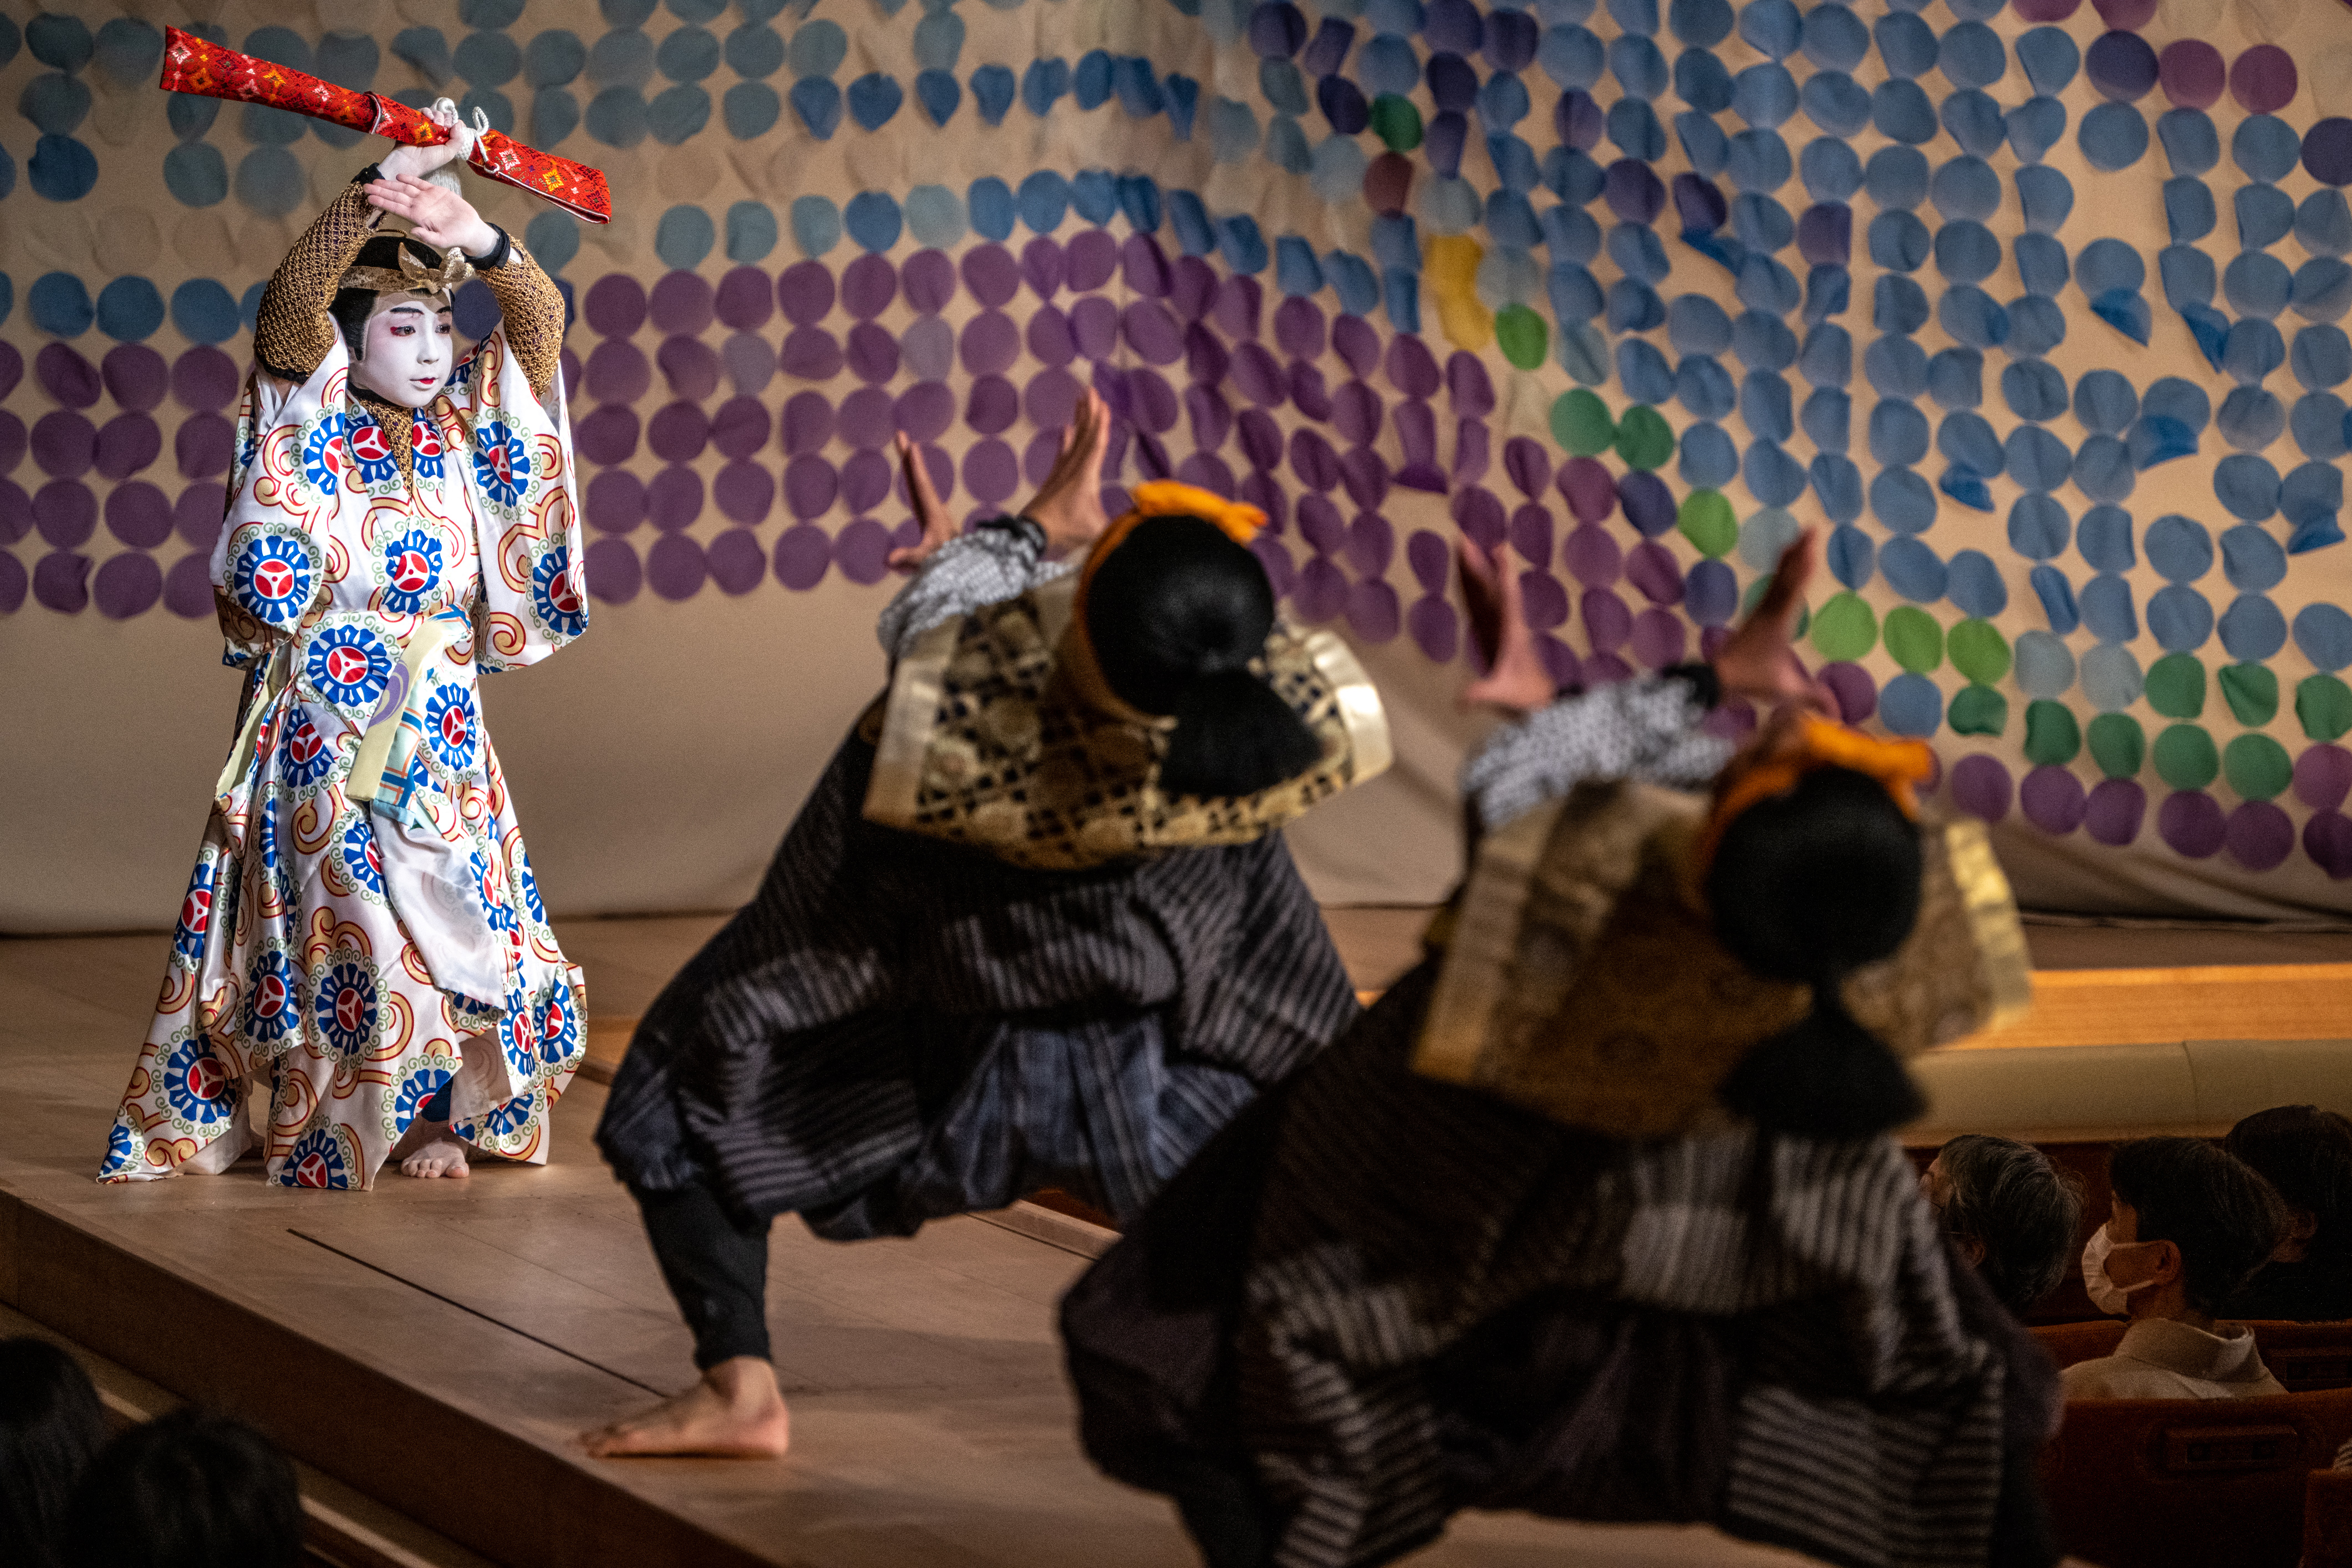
<point>533,310</point>
<point>292,330</point>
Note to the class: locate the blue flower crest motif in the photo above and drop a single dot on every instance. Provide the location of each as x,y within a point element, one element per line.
<point>501,462</point>
<point>347,1006</point>
<point>350,665</point>
<point>122,1147</point>
<point>425,452</point>
<point>272,999</point>
<point>450,726</point>
<point>305,757</point>
<point>554,596</point>
<point>411,569</point>
<point>278,865</point>
<point>317,1160</point>
<point>529,880</point>
<point>325,451</point>
<point>361,860</point>
<point>371,449</point>
<point>273,578</point>
<point>519,1040</point>
<point>196,915</point>
<point>196,1087</point>
<point>502,1121</point>
<point>420,1085</point>
<point>559,1028</point>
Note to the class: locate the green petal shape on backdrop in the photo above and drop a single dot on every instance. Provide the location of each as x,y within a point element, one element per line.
<point>2053,738</point>
<point>1846,628</point>
<point>1707,520</point>
<point>2252,692</point>
<point>1580,424</point>
<point>2257,766</point>
<point>1396,122</point>
<point>1979,651</point>
<point>1977,710</point>
<point>2117,745</point>
<point>2176,685</point>
<point>1523,338</point>
<point>1645,439</point>
<point>1914,640</point>
<point>2185,757</point>
<point>2325,705</point>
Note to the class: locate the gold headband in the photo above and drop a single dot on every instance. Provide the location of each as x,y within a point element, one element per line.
<point>1896,764</point>
<point>411,276</point>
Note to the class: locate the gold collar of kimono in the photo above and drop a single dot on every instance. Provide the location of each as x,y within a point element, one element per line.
<point>1000,733</point>
<point>1581,976</point>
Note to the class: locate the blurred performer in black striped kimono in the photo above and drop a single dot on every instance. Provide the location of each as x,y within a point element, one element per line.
<point>1036,926</point>
<point>1595,1214</point>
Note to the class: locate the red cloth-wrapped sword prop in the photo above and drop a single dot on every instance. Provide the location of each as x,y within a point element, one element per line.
<point>192,65</point>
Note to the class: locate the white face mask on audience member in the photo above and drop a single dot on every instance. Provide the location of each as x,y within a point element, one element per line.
<point>2109,1295</point>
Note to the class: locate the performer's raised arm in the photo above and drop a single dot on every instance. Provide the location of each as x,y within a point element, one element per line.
<point>299,317</point>
<point>532,306</point>
<point>295,326</point>
<point>1647,728</point>
<point>956,574</point>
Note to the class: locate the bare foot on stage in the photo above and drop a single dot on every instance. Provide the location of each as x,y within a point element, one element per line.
<point>441,1157</point>
<point>736,1412</point>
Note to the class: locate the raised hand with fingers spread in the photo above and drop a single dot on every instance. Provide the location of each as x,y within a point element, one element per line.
<point>1068,505</point>
<point>436,215</point>
<point>1515,680</point>
<point>1760,661</point>
<point>938,526</point>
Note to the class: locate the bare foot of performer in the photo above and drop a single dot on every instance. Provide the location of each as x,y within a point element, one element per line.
<point>428,1150</point>
<point>440,1157</point>
<point>736,1412</point>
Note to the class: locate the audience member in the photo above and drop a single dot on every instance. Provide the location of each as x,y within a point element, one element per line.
<point>2189,1225</point>
<point>50,1425</point>
<point>2306,1154</point>
<point>2010,1213</point>
<point>191,1489</point>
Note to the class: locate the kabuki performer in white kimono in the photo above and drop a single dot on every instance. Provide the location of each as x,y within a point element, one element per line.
<point>362,969</point>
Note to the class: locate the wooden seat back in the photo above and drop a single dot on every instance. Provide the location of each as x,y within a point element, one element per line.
<point>2190,1483</point>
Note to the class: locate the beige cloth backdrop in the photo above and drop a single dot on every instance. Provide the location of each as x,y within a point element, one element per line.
<point>657,762</point>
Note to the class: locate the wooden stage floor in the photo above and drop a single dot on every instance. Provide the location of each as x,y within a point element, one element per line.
<point>435,1345</point>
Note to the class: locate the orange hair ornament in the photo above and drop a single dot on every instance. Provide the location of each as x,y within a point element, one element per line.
<point>1237,520</point>
<point>1896,764</point>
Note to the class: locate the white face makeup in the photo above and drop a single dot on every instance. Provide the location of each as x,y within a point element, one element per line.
<point>411,344</point>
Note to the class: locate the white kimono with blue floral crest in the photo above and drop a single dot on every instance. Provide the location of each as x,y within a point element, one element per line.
<point>363,927</point>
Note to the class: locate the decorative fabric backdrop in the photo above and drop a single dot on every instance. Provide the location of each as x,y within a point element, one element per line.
<point>2034,305</point>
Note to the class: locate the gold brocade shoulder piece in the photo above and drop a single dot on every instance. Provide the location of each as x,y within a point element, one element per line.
<point>1581,980</point>
<point>984,743</point>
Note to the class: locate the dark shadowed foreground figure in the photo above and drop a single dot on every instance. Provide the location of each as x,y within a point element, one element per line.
<point>1035,927</point>
<point>1650,1256</point>
<point>50,1424</point>
<point>190,1490</point>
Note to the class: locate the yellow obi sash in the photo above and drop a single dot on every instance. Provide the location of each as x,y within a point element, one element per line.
<point>1582,977</point>
<point>385,767</point>
<point>984,741</point>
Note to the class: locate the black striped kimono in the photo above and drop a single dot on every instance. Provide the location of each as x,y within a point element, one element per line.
<point>1377,1299</point>
<point>897,1029</point>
